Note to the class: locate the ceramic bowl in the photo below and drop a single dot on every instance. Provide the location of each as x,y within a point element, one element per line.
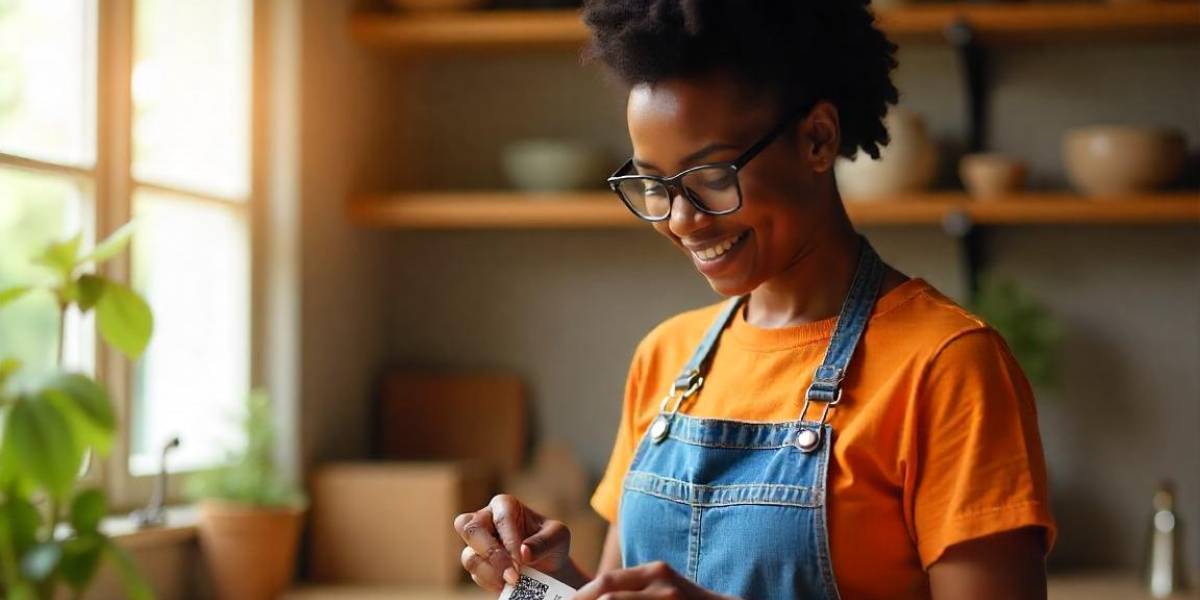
<point>547,165</point>
<point>907,164</point>
<point>990,176</point>
<point>1110,160</point>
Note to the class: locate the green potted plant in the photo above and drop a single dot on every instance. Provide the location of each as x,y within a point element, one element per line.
<point>1032,333</point>
<point>250,515</point>
<point>50,534</point>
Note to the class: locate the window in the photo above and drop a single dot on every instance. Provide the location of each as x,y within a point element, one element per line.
<point>175,152</point>
<point>191,168</point>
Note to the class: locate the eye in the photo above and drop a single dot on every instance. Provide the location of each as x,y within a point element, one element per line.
<point>719,183</point>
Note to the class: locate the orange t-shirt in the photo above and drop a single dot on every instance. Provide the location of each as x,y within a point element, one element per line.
<point>936,437</point>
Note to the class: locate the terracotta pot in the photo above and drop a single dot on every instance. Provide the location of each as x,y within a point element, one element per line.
<point>907,164</point>
<point>1110,160</point>
<point>250,551</point>
<point>991,176</point>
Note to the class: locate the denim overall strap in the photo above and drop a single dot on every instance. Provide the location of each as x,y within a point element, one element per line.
<point>826,386</point>
<point>691,378</point>
<point>695,368</point>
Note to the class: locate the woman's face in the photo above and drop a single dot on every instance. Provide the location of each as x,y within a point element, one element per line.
<point>681,123</point>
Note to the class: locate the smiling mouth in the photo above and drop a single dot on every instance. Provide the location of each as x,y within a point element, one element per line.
<point>718,249</point>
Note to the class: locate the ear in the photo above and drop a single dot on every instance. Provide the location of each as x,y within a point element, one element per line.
<point>822,136</point>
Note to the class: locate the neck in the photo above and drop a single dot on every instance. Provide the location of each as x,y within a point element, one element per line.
<point>814,286</point>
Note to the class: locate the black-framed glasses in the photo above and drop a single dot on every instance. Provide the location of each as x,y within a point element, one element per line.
<point>712,189</point>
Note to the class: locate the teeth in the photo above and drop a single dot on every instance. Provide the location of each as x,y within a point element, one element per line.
<point>717,249</point>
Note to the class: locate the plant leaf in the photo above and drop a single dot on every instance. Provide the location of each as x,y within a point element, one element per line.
<point>14,293</point>
<point>85,404</point>
<point>8,366</point>
<point>61,256</point>
<point>88,507</point>
<point>125,319</point>
<point>81,558</point>
<point>20,590</point>
<point>40,435</point>
<point>111,246</point>
<point>91,288</point>
<point>41,561</point>
<point>22,520</point>
<point>136,587</point>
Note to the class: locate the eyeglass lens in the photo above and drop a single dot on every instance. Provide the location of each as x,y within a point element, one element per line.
<point>712,189</point>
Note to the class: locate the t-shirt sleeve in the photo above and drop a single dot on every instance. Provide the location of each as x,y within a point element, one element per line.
<point>980,467</point>
<point>607,497</point>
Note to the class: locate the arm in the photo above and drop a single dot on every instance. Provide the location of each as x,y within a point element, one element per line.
<point>610,559</point>
<point>1004,566</point>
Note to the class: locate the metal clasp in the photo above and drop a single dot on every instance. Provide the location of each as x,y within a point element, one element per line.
<point>662,423</point>
<point>807,439</point>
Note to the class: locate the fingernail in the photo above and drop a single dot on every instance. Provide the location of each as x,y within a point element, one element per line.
<point>511,576</point>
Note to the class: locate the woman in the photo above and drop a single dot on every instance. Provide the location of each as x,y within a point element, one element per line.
<point>835,429</point>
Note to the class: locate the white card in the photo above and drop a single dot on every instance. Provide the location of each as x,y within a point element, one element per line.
<point>536,585</point>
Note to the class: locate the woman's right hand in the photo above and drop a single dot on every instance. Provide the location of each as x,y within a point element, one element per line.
<point>506,535</point>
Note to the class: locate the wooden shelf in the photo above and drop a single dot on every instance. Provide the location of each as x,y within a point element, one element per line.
<point>601,210</point>
<point>1046,22</point>
<point>997,23</point>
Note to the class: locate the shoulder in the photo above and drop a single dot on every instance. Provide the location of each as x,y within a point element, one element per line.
<point>927,326</point>
<point>954,354</point>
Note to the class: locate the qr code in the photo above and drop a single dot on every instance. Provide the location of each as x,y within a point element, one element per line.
<point>529,589</point>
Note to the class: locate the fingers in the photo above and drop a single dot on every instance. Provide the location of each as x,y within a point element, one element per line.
<point>552,539</point>
<point>644,595</point>
<point>481,572</point>
<point>637,579</point>
<point>509,520</point>
<point>478,531</point>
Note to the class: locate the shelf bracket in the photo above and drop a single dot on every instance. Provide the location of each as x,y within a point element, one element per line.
<point>975,64</point>
<point>971,238</point>
<point>976,71</point>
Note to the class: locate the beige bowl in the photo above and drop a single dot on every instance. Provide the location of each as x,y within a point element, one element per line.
<point>991,176</point>
<point>908,164</point>
<point>1109,160</point>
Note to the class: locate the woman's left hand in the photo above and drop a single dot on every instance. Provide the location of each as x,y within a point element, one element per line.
<point>654,580</point>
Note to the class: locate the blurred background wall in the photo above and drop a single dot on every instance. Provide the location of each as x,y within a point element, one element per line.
<point>565,309</point>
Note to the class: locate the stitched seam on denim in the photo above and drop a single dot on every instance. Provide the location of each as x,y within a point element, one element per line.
<point>679,434</point>
<point>717,488</point>
<point>731,446</point>
<point>751,494</point>
<point>763,424</point>
<point>814,503</point>
<point>694,545</point>
<point>824,554</point>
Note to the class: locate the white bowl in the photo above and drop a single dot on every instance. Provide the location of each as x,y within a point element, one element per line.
<point>548,165</point>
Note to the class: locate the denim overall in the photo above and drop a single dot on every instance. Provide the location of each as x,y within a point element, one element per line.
<point>739,507</point>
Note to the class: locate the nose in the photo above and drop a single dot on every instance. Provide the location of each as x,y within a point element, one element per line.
<point>685,219</point>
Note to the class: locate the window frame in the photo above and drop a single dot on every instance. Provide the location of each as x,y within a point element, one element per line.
<point>272,69</point>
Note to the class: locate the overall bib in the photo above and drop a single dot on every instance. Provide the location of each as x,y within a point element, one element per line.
<point>739,507</point>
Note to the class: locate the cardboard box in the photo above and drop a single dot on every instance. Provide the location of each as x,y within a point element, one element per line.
<point>425,416</point>
<point>393,522</point>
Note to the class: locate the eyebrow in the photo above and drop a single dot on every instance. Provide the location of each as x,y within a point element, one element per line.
<point>691,158</point>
